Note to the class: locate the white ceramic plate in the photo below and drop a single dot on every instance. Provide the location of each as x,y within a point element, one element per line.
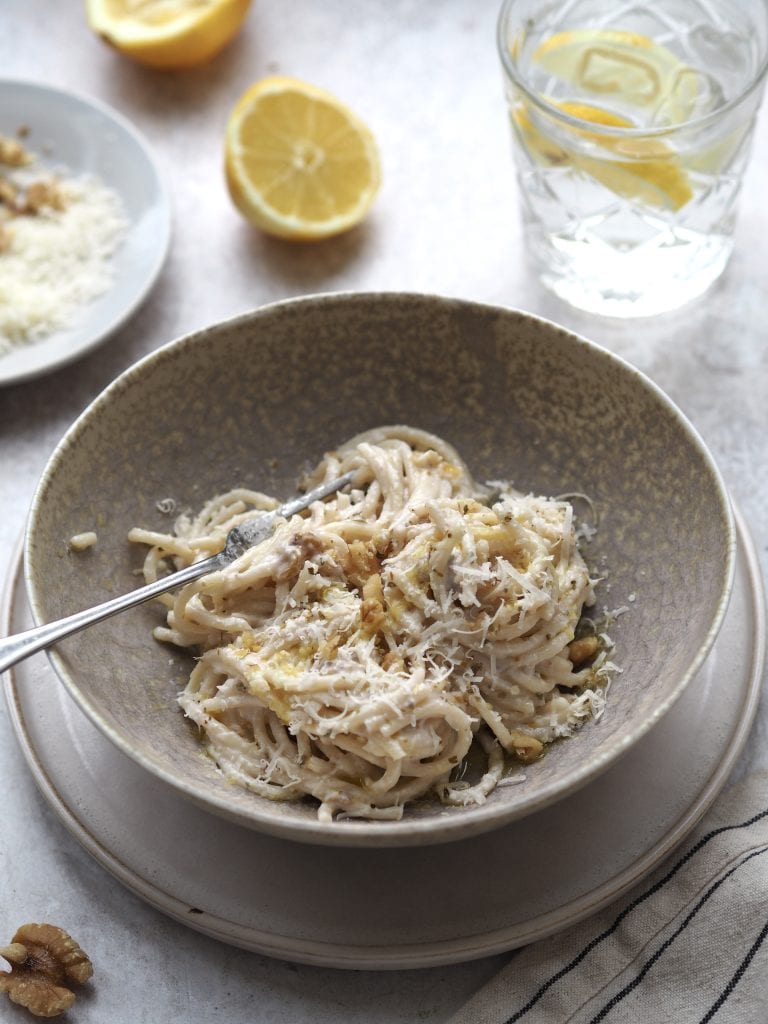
<point>410,907</point>
<point>87,137</point>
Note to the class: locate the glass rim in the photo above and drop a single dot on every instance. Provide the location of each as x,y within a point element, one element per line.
<point>615,130</point>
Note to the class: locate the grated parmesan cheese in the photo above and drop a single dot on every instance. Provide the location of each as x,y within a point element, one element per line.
<point>56,261</point>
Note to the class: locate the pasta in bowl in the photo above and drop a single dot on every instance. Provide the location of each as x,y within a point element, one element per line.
<point>520,546</point>
<point>358,654</point>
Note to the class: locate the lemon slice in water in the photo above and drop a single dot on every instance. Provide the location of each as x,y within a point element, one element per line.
<point>627,69</point>
<point>641,169</point>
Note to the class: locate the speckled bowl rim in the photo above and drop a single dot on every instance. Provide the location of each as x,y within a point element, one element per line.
<point>416,831</point>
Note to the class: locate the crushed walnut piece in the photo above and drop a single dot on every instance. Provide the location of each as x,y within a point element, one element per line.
<point>13,154</point>
<point>46,192</point>
<point>9,192</point>
<point>43,959</point>
<point>19,195</point>
<point>582,650</point>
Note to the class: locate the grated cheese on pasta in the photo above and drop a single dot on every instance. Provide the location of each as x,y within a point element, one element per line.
<point>360,652</point>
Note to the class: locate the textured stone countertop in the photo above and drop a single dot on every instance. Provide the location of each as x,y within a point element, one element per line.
<point>425,77</point>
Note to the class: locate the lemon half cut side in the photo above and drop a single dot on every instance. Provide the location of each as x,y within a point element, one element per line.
<point>298,162</point>
<point>167,34</point>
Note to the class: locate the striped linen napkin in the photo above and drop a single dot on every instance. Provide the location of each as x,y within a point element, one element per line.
<point>687,945</point>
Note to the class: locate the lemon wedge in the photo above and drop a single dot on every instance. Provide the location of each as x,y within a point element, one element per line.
<point>628,67</point>
<point>298,163</point>
<point>167,33</point>
<point>641,169</point>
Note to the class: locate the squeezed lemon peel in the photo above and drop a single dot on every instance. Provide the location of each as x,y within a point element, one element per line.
<point>167,34</point>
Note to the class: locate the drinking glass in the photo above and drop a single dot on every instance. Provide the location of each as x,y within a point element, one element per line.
<point>632,125</point>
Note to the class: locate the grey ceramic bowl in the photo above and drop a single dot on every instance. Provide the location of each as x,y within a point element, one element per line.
<point>256,400</point>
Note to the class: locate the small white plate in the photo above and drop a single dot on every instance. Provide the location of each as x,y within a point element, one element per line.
<point>87,137</point>
<point>382,908</point>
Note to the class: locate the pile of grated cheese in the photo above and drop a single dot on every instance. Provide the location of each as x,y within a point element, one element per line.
<point>56,258</point>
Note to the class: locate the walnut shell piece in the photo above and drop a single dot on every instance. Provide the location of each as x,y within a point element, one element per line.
<point>43,958</point>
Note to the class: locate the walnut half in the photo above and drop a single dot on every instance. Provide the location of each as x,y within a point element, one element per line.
<point>42,958</point>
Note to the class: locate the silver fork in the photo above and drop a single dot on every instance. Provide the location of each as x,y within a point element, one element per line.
<point>14,649</point>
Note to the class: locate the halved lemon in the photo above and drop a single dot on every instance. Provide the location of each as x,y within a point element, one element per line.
<point>298,162</point>
<point>627,67</point>
<point>167,33</point>
<point>643,169</point>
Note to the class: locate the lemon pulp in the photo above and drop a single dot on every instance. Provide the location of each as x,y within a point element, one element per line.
<point>298,162</point>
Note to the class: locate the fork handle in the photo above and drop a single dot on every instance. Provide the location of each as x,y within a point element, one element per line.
<point>14,649</point>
